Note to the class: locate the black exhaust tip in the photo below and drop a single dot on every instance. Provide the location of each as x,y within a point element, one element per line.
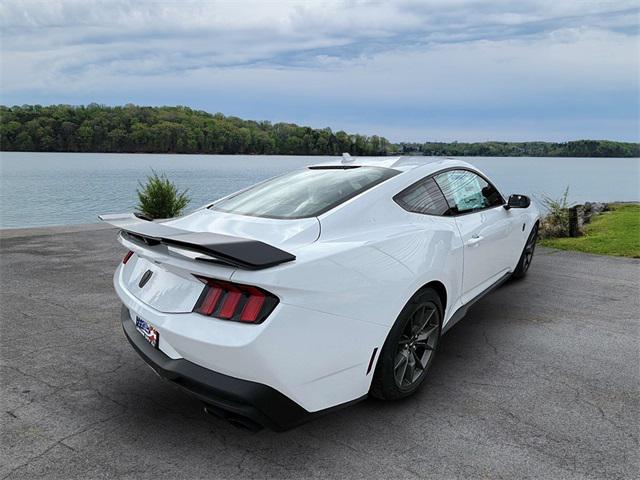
<point>234,419</point>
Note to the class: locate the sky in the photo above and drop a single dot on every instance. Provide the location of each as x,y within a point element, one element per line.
<point>431,70</point>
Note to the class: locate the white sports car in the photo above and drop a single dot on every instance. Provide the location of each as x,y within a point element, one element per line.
<point>314,289</point>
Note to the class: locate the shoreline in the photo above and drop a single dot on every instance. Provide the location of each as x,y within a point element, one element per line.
<point>43,230</point>
<point>399,154</point>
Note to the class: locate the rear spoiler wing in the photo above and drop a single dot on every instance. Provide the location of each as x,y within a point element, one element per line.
<point>236,251</point>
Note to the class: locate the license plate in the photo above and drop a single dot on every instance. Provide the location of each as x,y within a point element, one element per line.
<point>148,332</point>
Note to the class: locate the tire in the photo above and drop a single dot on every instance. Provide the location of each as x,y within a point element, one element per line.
<point>409,343</point>
<point>527,255</point>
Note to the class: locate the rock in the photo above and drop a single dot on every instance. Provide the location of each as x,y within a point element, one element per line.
<point>592,209</point>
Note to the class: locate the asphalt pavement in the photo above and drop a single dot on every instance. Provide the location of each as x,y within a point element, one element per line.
<point>541,380</point>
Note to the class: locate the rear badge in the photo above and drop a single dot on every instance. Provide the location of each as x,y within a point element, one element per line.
<point>145,278</point>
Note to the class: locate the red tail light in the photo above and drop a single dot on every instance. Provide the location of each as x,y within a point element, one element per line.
<point>254,304</point>
<point>127,256</point>
<point>231,301</point>
<point>211,296</point>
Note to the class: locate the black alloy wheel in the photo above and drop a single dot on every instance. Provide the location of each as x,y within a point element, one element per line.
<point>416,345</point>
<point>527,254</point>
<point>410,347</point>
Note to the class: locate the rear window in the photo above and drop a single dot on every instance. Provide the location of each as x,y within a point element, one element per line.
<point>304,193</point>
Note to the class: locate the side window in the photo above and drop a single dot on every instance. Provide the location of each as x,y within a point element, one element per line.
<point>466,191</point>
<point>423,197</point>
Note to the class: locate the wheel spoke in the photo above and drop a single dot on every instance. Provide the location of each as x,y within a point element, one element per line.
<point>418,360</point>
<point>425,321</point>
<point>423,336</point>
<point>400,359</point>
<point>410,371</point>
<point>414,324</point>
<point>426,355</point>
<point>401,367</point>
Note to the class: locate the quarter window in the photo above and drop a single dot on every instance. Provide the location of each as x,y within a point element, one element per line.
<point>466,191</point>
<point>423,197</point>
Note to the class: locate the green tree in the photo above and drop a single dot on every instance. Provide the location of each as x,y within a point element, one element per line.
<point>160,198</point>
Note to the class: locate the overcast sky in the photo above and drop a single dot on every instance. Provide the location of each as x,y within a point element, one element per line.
<point>408,70</point>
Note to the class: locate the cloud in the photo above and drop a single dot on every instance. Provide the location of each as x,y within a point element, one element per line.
<point>451,67</point>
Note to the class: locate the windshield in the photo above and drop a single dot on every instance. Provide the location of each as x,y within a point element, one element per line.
<point>304,193</point>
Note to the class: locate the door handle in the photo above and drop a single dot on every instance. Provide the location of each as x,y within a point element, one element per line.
<point>474,240</point>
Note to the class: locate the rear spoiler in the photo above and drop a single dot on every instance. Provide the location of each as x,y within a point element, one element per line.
<point>238,252</point>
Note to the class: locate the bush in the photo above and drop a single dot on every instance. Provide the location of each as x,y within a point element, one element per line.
<point>160,198</point>
<point>556,222</point>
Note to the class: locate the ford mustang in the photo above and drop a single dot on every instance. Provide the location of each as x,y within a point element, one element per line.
<point>314,289</point>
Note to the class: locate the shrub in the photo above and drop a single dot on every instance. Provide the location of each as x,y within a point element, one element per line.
<point>160,198</point>
<point>556,222</point>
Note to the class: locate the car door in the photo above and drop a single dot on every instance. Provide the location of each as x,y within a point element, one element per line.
<point>485,228</point>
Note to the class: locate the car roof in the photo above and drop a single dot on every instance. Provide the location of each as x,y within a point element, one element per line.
<point>420,165</point>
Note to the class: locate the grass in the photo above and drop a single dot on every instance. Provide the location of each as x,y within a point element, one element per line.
<point>616,232</point>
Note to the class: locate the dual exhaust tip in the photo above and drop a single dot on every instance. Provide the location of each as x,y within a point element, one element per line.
<point>238,421</point>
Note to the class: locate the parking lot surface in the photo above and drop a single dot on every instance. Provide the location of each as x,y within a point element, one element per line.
<point>541,380</point>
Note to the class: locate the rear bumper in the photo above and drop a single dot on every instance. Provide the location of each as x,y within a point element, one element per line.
<point>316,359</point>
<point>260,403</point>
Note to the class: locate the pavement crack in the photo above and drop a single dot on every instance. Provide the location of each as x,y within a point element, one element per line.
<point>61,443</point>
<point>49,347</point>
<point>491,345</point>
<point>39,380</point>
<point>580,399</point>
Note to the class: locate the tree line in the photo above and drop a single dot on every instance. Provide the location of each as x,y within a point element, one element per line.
<point>136,129</point>
<point>577,148</point>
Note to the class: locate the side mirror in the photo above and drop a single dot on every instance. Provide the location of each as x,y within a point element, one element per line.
<point>518,201</point>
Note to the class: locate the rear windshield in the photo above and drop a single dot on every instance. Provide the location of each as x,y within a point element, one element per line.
<point>304,193</point>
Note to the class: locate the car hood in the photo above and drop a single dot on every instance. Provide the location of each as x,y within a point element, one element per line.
<point>283,233</point>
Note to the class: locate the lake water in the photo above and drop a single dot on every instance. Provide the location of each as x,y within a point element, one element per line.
<point>67,188</point>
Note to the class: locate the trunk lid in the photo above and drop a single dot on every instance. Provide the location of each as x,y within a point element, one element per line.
<point>167,289</point>
<point>282,233</point>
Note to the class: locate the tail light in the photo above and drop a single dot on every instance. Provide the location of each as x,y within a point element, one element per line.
<point>127,256</point>
<point>231,301</point>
